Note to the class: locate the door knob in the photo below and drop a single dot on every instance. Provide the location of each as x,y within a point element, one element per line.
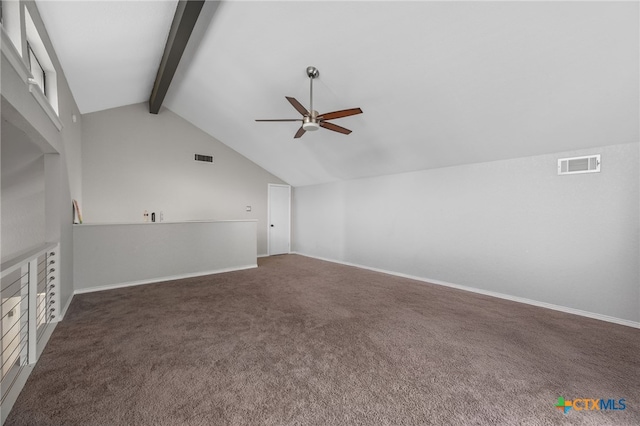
<point>272,225</point>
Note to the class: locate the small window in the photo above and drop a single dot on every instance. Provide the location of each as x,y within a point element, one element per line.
<point>36,70</point>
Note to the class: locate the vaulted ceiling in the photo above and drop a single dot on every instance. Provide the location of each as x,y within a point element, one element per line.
<point>440,83</point>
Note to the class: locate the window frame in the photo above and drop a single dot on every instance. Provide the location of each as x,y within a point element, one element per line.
<point>42,71</point>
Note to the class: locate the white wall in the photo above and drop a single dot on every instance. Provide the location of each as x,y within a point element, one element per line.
<point>23,201</point>
<point>109,256</point>
<point>512,227</point>
<point>133,160</point>
<point>61,154</point>
<point>49,177</point>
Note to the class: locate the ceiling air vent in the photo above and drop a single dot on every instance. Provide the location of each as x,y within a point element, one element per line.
<point>204,158</point>
<point>575,165</point>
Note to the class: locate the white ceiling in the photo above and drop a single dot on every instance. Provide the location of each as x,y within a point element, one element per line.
<point>110,50</point>
<point>440,83</point>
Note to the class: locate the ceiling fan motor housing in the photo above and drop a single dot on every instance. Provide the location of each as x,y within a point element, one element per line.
<point>310,123</point>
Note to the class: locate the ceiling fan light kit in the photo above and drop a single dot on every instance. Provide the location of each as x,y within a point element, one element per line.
<point>310,123</point>
<point>311,120</point>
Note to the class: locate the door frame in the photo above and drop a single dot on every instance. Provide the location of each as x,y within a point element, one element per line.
<point>272,185</point>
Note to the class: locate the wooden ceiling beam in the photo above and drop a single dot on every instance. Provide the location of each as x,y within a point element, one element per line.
<point>184,21</point>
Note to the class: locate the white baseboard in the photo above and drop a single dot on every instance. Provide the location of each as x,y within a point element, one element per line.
<point>560,308</point>
<point>64,310</point>
<point>161,279</point>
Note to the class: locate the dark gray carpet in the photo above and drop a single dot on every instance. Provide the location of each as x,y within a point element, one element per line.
<point>299,341</point>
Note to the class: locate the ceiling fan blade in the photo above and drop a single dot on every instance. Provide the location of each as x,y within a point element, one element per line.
<point>335,128</point>
<point>282,119</point>
<point>299,133</point>
<point>339,114</point>
<point>297,105</point>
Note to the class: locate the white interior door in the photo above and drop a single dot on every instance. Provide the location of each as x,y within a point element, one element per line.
<point>279,219</point>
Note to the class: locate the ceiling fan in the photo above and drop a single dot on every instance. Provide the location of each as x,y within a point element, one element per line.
<point>311,120</point>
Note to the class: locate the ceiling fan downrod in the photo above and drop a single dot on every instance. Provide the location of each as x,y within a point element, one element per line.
<point>310,123</point>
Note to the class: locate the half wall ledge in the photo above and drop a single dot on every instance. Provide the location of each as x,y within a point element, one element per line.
<point>112,255</point>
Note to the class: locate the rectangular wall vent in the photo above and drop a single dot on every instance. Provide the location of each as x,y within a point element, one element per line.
<point>575,165</point>
<point>205,158</point>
